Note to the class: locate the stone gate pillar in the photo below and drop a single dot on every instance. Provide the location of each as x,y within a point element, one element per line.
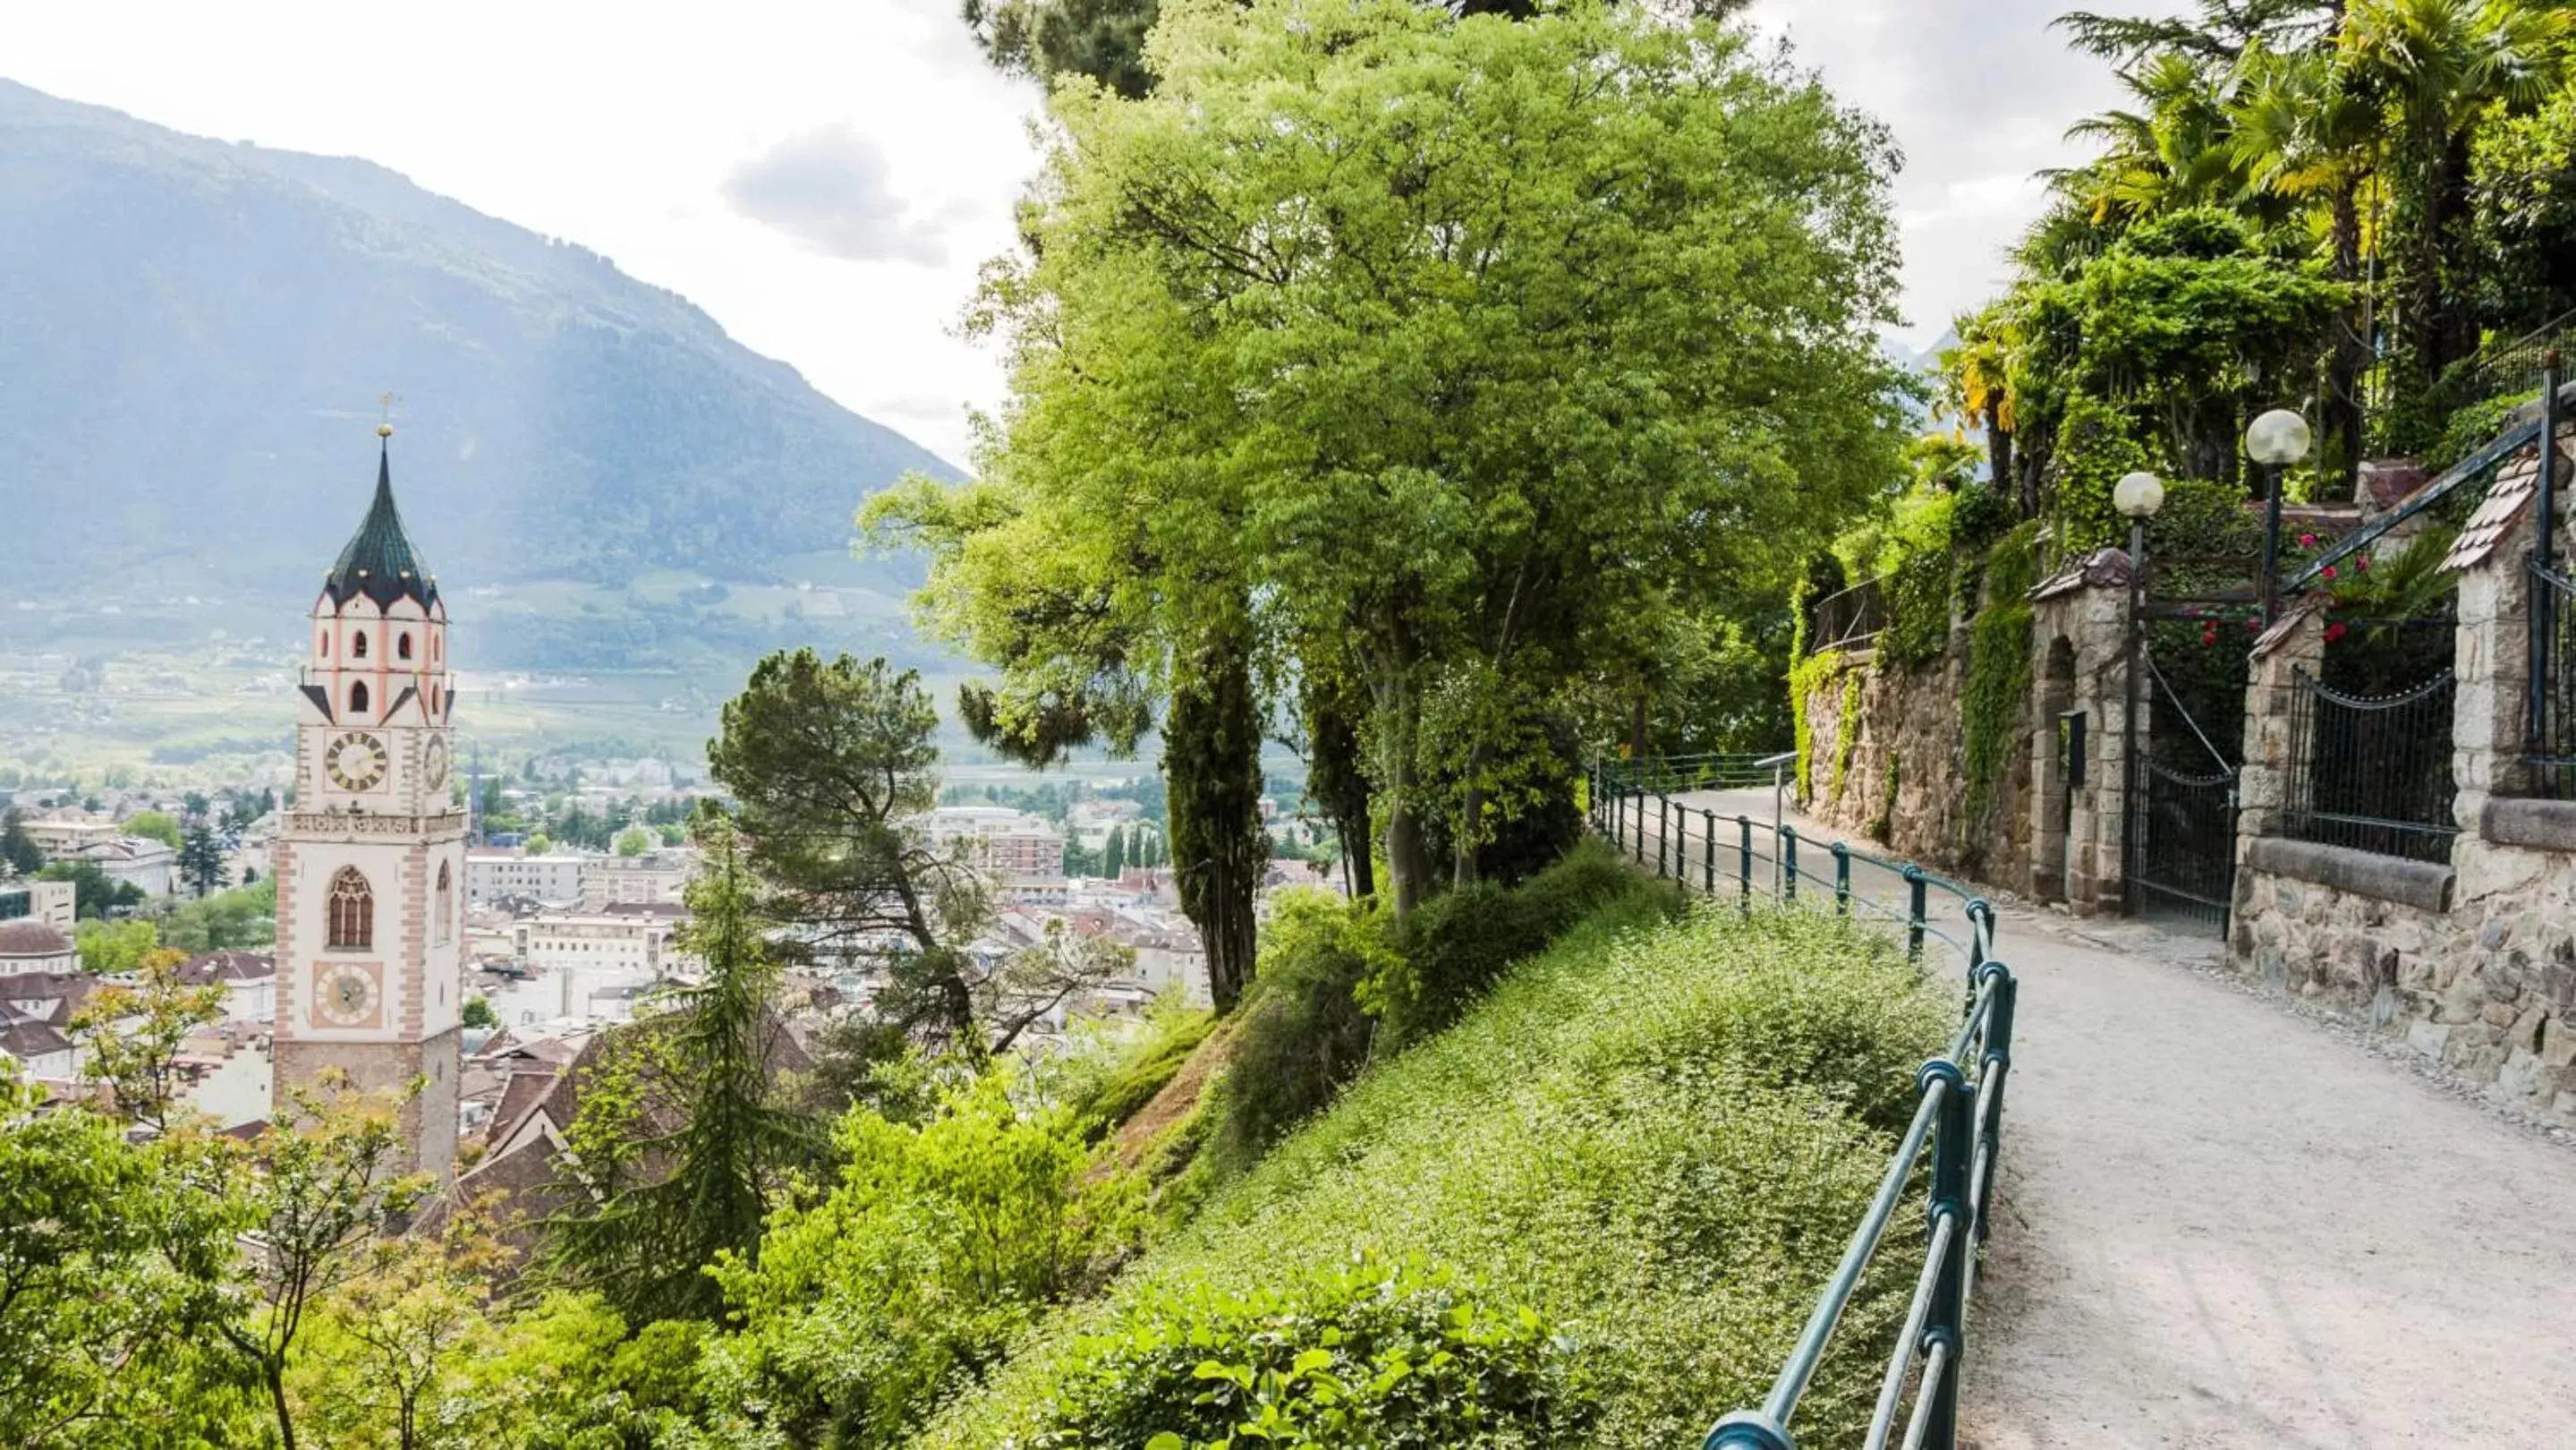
<point>2297,641</point>
<point>2079,643</point>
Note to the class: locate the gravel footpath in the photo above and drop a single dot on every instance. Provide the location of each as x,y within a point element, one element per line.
<point>2227,1221</point>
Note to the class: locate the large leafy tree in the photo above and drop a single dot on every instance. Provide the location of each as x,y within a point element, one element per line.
<point>1474,369</point>
<point>113,1265</point>
<point>316,1191</point>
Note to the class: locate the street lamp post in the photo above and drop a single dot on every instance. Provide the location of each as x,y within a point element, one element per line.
<point>2137,497</point>
<point>2275,441</point>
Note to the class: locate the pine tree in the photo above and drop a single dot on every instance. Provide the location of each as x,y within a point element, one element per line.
<point>727,1140</point>
<point>201,860</point>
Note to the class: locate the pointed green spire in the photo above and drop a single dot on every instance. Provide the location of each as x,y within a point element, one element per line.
<point>378,560</point>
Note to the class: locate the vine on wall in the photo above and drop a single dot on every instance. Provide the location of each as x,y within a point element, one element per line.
<point>1806,677</point>
<point>1846,732</point>
<point>1998,684</point>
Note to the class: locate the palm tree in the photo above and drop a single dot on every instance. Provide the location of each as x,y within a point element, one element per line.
<point>2438,67</point>
<point>2172,150</point>
<point>2306,131</point>
<point>1977,389</point>
<point>2216,38</point>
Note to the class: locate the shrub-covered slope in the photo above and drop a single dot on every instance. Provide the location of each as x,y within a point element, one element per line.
<point>1594,1211</point>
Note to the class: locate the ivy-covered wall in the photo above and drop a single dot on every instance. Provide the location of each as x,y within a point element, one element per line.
<point>1929,757</point>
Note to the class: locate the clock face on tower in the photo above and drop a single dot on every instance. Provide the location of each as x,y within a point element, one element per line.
<point>346,995</point>
<point>433,763</point>
<point>355,761</point>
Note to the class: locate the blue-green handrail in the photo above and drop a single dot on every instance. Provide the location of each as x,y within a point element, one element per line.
<point>1709,770</point>
<point>1959,1116</point>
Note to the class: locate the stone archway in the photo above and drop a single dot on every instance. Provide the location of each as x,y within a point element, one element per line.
<point>2057,747</point>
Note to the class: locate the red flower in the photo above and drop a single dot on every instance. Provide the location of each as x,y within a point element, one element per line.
<point>2362,563</point>
<point>2334,632</point>
<point>2330,571</point>
<point>2307,541</point>
<point>2253,626</point>
<point>2209,636</point>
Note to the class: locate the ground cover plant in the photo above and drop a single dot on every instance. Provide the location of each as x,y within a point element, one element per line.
<point>1617,1183</point>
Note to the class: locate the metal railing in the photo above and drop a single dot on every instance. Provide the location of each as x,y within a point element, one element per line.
<point>1847,620</point>
<point>1705,771</point>
<point>2372,772</point>
<point>2550,750</point>
<point>1959,1117</point>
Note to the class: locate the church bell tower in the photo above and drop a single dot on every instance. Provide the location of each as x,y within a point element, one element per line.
<point>370,863</point>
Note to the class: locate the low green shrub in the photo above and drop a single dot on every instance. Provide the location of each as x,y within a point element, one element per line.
<point>939,1244</point>
<point>1657,1137</point>
<point>1453,948</point>
<point>1302,1032</point>
<point>1370,1353</point>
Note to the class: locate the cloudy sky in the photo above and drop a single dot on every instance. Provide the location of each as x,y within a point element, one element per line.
<point>824,176</point>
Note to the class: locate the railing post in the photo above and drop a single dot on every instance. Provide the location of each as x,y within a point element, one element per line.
<point>1914,892</point>
<point>1953,1154</point>
<point>2541,617</point>
<point>1663,833</point>
<point>1745,825</point>
<point>1708,871</point>
<point>1842,879</point>
<point>1993,1076</point>
<point>1749,1430</point>
<point>1788,863</point>
<point>1641,828</point>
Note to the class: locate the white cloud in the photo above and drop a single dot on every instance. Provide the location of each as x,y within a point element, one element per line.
<point>829,189</point>
<point>1979,94</point>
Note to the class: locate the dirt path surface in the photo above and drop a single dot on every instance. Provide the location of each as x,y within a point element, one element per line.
<point>2224,1224</point>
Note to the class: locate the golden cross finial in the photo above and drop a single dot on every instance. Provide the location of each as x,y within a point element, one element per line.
<point>385,418</point>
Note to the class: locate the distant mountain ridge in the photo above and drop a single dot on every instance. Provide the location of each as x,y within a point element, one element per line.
<point>191,331</point>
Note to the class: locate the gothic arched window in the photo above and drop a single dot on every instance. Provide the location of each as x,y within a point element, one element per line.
<point>358,644</point>
<point>358,697</point>
<point>325,645</point>
<point>352,907</point>
<point>402,645</point>
<point>443,908</point>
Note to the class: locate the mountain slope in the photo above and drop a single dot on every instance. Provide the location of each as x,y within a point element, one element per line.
<point>191,332</point>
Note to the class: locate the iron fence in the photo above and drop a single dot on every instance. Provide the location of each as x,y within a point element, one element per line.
<point>2551,749</point>
<point>1706,771</point>
<point>1958,1118</point>
<point>1847,620</point>
<point>2372,772</point>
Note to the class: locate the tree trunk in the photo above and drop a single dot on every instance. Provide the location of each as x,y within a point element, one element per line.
<point>2456,325</point>
<point>1408,858</point>
<point>1212,766</point>
<point>1999,462</point>
<point>274,1374</point>
<point>2351,355</point>
<point>1337,777</point>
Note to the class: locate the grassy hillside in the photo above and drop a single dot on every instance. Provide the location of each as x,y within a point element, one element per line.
<point>1594,1211</point>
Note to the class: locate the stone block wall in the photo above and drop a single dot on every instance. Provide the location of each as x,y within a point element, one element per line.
<point>2479,975</point>
<point>1893,770</point>
<point>2487,988</point>
<point>1901,756</point>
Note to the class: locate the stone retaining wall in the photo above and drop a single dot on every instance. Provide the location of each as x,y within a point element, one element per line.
<point>2474,965</point>
<point>1900,763</point>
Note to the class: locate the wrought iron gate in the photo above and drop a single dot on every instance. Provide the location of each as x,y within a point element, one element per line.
<point>2182,816</point>
<point>2183,851</point>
